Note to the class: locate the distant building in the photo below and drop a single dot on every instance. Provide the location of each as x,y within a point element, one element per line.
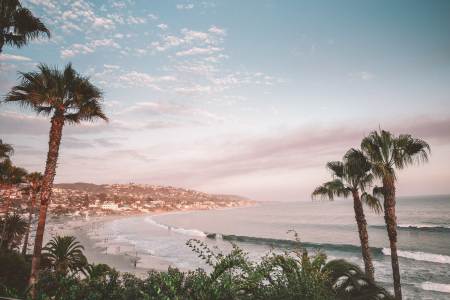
<point>110,206</point>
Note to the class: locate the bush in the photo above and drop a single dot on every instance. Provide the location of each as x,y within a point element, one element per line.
<point>291,275</point>
<point>14,272</point>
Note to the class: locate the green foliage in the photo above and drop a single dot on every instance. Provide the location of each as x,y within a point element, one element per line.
<point>13,227</point>
<point>14,272</point>
<point>18,25</point>
<point>352,175</point>
<point>10,174</point>
<point>64,254</point>
<point>348,281</point>
<point>63,93</point>
<point>290,275</point>
<point>387,152</point>
<point>6,150</point>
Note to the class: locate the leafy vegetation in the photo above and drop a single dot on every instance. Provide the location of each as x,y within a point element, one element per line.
<point>63,254</point>
<point>290,275</point>
<point>14,227</point>
<point>18,25</point>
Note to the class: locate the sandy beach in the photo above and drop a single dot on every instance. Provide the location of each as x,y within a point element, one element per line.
<point>98,248</point>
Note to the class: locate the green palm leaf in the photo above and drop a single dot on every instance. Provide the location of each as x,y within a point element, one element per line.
<point>18,25</point>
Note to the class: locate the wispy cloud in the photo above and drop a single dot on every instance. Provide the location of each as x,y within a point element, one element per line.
<point>13,123</point>
<point>281,152</point>
<point>89,47</point>
<point>199,51</point>
<point>190,38</point>
<point>162,26</point>
<point>362,75</point>
<point>188,6</point>
<point>144,80</point>
<point>12,57</point>
<point>168,109</point>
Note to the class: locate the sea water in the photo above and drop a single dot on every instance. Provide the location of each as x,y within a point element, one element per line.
<point>423,236</point>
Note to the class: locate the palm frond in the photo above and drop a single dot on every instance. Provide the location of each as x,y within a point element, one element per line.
<point>409,150</point>
<point>378,191</point>
<point>349,282</point>
<point>51,91</point>
<point>10,174</point>
<point>330,189</point>
<point>337,168</point>
<point>386,152</point>
<point>13,227</point>
<point>64,253</point>
<point>372,202</point>
<point>6,150</point>
<point>18,25</point>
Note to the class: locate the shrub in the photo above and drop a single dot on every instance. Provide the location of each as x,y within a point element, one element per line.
<point>289,275</point>
<point>14,272</point>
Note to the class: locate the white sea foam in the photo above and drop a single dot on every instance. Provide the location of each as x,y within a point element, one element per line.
<point>437,287</point>
<point>423,256</point>
<point>190,232</point>
<point>154,223</point>
<point>424,226</point>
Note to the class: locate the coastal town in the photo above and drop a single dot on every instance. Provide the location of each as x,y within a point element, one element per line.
<point>87,200</point>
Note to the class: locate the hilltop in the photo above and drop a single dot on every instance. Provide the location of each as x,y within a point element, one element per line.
<point>92,199</point>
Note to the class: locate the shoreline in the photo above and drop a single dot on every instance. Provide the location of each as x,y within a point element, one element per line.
<point>120,256</point>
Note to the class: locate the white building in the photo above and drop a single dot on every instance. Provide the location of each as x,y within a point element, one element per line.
<point>110,205</point>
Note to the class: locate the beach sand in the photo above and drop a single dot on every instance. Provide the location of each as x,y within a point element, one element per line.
<point>98,249</point>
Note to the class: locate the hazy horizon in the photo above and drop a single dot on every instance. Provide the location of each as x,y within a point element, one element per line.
<point>247,98</point>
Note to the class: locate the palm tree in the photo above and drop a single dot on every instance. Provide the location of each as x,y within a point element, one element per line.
<point>5,150</point>
<point>18,25</point>
<point>10,176</point>
<point>352,177</point>
<point>386,153</point>
<point>64,254</point>
<point>15,229</point>
<point>68,98</point>
<point>349,282</point>
<point>97,271</point>
<point>34,181</point>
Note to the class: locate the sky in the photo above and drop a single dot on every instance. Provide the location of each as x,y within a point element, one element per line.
<point>239,97</point>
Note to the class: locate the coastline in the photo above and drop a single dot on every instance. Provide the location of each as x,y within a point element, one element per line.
<point>120,256</point>
<point>96,252</point>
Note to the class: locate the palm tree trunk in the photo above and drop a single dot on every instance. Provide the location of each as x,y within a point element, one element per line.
<point>363,235</point>
<point>55,135</point>
<point>391,225</point>
<point>30,218</point>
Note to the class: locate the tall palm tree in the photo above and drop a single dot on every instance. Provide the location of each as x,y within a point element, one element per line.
<point>387,152</point>
<point>18,25</point>
<point>10,176</point>
<point>5,150</point>
<point>15,229</point>
<point>34,181</point>
<point>353,177</point>
<point>68,98</point>
<point>64,254</point>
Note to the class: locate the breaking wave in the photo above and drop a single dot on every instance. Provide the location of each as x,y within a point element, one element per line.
<point>436,287</point>
<point>289,243</point>
<point>422,256</point>
<point>179,230</point>
<point>420,227</point>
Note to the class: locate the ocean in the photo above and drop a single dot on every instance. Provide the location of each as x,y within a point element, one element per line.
<point>423,236</point>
